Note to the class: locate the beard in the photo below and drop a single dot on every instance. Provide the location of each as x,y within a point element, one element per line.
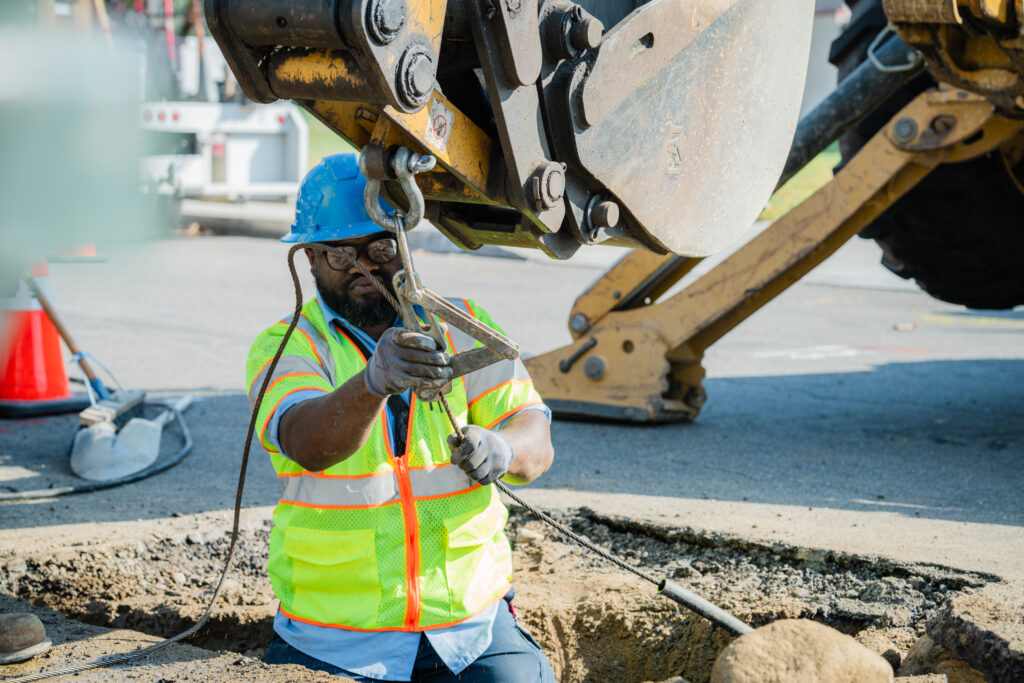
<point>370,311</point>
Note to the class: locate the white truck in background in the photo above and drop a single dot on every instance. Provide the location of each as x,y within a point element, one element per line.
<point>210,143</point>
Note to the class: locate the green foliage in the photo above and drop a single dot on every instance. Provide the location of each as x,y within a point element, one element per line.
<point>801,186</point>
<point>323,141</point>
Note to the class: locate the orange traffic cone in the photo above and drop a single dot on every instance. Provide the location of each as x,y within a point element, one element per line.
<point>33,380</point>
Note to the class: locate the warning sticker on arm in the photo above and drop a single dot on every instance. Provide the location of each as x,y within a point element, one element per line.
<point>439,125</point>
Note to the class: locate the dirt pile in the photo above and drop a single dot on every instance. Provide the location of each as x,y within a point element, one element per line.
<point>75,642</point>
<point>595,622</point>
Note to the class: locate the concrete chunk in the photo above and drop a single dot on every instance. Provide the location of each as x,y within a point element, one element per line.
<point>985,628</point>
<point>926,657</point>
<point>796,650</point>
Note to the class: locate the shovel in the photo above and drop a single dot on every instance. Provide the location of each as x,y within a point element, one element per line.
<point>101,452</point>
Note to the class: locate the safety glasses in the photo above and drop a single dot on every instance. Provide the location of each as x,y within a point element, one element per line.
<point>378,251</point>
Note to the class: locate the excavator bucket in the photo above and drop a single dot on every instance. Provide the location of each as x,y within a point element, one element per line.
<point>688,113</point>
<point>666,131</point>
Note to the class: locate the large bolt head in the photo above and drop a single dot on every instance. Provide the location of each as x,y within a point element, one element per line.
<point>386,19</point>
<point>586,33</point>
<point>579,323</point>
<point>422,76</point>
<point>905,130</point>
<point>555,186</point>
<point>605,214</point>
<point>548,185</point>
<point>415,76</point>
<point>593,368</point>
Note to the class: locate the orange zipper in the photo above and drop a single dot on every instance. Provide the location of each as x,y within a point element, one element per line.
<point>412,541</point>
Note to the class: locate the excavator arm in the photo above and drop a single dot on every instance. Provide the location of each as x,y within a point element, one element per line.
<point>637,347</point>
<point>662,125</point>
<point>666,131</point>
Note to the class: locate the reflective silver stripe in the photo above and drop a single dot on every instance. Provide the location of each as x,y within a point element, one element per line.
<point>439,481</point>
<point>320,346</point>
<point>362,492</point>
<point>484,379</point>
<point>371,491</point>
<point>288,365</point>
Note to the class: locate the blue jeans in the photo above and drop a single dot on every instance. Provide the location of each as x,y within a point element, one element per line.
<point>513,657</point>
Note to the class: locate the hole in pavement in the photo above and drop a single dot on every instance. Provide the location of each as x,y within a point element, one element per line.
<point>595,622</point>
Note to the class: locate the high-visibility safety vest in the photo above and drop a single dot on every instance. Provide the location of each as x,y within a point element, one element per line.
<point>385,540</point>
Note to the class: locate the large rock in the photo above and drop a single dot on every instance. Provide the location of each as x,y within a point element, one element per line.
<point>797,650</point>
<point>985,628</point>
<point>881,644</point>
<point>927,657</point>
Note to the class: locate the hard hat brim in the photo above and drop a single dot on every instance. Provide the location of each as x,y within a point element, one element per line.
<point>329,233</point>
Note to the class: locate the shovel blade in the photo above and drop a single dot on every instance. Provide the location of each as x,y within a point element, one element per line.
<point>98,453</point>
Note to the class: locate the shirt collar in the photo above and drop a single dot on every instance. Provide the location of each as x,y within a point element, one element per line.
<point>331,317</point>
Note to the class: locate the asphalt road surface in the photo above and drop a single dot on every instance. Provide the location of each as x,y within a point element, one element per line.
<point>826,426</point>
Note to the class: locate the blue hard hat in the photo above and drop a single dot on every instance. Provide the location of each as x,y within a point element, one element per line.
<point>330,204</point>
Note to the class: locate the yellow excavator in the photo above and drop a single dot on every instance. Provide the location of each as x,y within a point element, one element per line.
<point>665,126</point>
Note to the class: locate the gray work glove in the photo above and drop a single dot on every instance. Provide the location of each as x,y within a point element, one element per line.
<point>484,455</point>
<point>406,360</point>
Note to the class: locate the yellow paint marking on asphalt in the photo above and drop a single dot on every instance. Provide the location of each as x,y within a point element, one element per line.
<point>973,321</point>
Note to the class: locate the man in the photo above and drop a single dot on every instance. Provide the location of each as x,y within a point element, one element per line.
<point>388,551</point>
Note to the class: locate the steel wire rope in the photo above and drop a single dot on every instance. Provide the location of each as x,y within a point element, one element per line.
<point>669,589</point>
<point>110,660</point>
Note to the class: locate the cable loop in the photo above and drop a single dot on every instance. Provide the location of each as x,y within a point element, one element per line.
<point>914,58</point>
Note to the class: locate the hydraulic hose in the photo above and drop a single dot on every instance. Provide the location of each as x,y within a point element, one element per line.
<point>868,87</point>
<point>155,468</point>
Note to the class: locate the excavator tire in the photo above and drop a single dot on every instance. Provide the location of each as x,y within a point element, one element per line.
<point>960,232</point>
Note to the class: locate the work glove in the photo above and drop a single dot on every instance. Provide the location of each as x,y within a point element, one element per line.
<point>482,454</point>
<point>406,360</point>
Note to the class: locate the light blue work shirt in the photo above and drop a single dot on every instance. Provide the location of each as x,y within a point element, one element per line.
<point>382,655</point>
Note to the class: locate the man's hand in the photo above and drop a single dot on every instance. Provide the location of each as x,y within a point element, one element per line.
<point>484,455</point>
<point>406,360</point>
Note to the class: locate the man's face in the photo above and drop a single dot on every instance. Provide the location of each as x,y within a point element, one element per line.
<point>348,292</point>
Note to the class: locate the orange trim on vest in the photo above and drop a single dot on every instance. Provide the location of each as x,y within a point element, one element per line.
<point>312,346</point>
<point>257,375</point>
<point>412,529</point>
<point>270,414</point>
<point>311,506</point>
<point>449,495</point>
<point>513,412</point>
<point>321,475</point>
<point>355,346</point>
<point>294,374</point>
<point>499,386</point>
<point>432,627</point>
